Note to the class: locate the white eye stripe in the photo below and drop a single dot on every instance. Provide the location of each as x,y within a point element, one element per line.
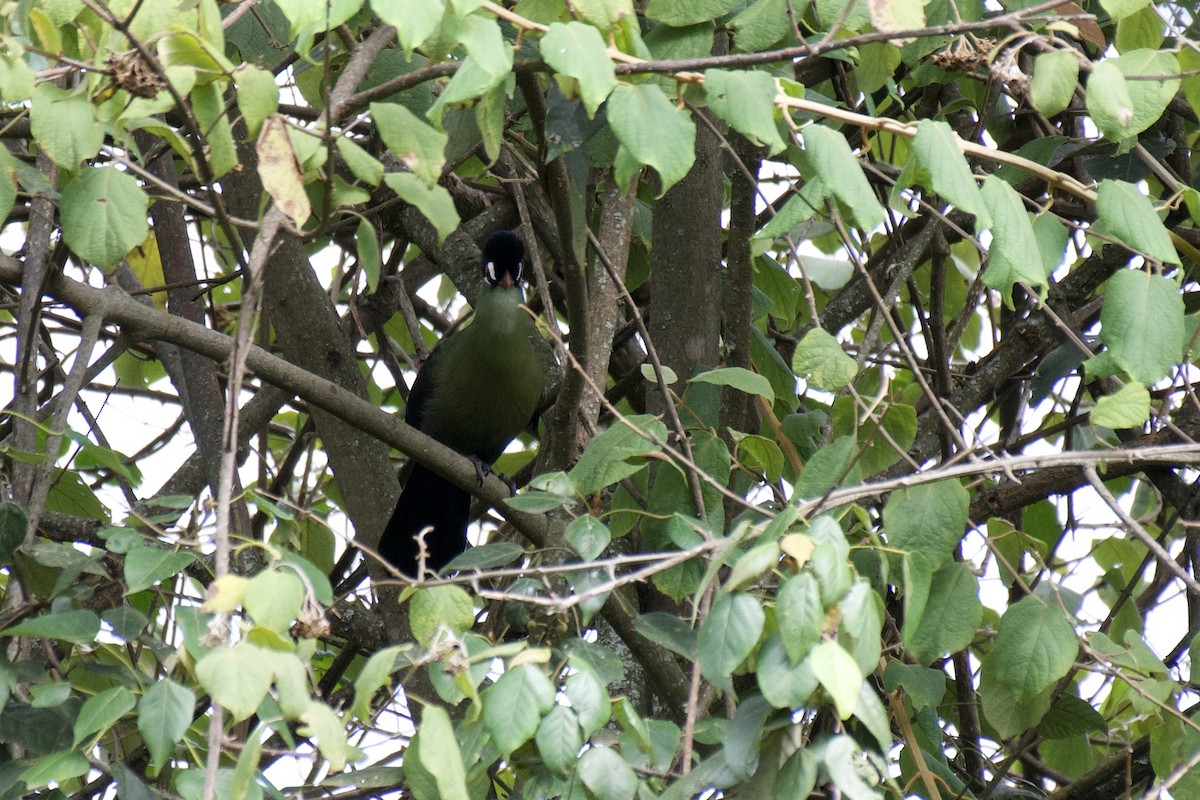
<point>490,270</point>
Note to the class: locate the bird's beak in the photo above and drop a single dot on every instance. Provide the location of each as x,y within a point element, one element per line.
<point>506,281</point>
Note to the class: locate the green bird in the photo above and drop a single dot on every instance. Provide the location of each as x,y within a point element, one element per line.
<point>477,391</point>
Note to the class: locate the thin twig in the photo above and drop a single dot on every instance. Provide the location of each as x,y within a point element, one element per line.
<point>1134,527</point>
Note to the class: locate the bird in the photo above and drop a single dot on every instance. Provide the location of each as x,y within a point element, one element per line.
<point>476,392</point>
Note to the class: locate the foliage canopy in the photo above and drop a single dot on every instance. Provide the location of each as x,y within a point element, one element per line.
<point>872,463</point>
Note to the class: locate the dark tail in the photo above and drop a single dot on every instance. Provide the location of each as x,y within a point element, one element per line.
<point>427,501</point>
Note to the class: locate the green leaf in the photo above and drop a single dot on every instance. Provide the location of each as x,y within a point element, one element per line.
<point>164,714</point>
<point>1127,407</point>
<point>273,598</point>
<point>237,677</point>
<point>828,467</point>
<point>606,775</point>
<point>587,536</point>
<point>744,734</point>
<point>829,157</point>
<point>414,20</point>
<point>1148,98</point>
<point>728,635</point>
<point>800,616</point>
<point>241,783</point>
<point>1009,713</point>
<point>1109,101</point>
<point>8,177</point>
<point>1142,30</point>
<point>589,699</point>
<point>1120,9</point>
<point>1127,214</point>
<point>366,247</point>
<point>678,13</point>
<point>653,131</point>
<point>56,768</point>
<point>486,556</point>
<point>291,683</point>
<point>861,623</point>
<point>375,673</point>
<point>49,695</point>
<point>129,785</point>
<point>617,453</point>
<point>838,672</point>
<point>1070,716</point>
<point>147,565</point>
<point>878,452</point>
<point>96,457</point>
<point>784,684</point>
<point>208,103</point>
<point>1014,256</point>
<point>189,783</point>
<point>929,519</point>
<point>437,606</point>
<point>417,144</point>
<point>877,62</point>
<point>1142,324</point>
<point>843,759</point>
<point>604,14</point>
<point>365,166</point>
<point>897,15</point>
<point>257,95</point>
<point>851,14</point>
<point>488,64</point>
<point>1035,646</point>
<point>102,710</point>
<point>104,215</point>
<point>938,163</point>
<point>65,126</point>
<point>322,723</point>
<point>820,358</point>
<point>13,523</point>
<point>578,50</point>
<point>434,202</point>
<point>752,564</point>
<point>514,705</point>
<point>760,25</point>
<point>72,496</point>
<point>533,502</point>
<point>871,712</point>
<point>1055,75</point>
<point>77,626</point>
<point>923,686</point>
<point>951,617</point>
<point>669,631</point>
<point>759,454</point>
<point>485,43</point>
<point>739,378</point>
<point>440,755</point>
<point>309,18</point>
<point>745,99</point>
<point>559,740</point>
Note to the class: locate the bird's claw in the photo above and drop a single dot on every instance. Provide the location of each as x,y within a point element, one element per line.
<point>482,469</point>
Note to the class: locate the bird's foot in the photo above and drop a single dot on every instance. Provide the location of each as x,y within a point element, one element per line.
<point>482,468</point>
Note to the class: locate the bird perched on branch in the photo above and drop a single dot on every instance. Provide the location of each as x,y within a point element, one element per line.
<point>478,390</point>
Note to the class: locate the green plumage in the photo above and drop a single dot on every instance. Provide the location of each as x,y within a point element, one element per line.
<point>476,392</point>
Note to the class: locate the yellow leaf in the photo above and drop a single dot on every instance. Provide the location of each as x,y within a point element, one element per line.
<point>280,171</point>
<point>146,263</point>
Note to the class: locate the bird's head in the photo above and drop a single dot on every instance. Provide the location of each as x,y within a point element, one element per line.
<point>503,257</point>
